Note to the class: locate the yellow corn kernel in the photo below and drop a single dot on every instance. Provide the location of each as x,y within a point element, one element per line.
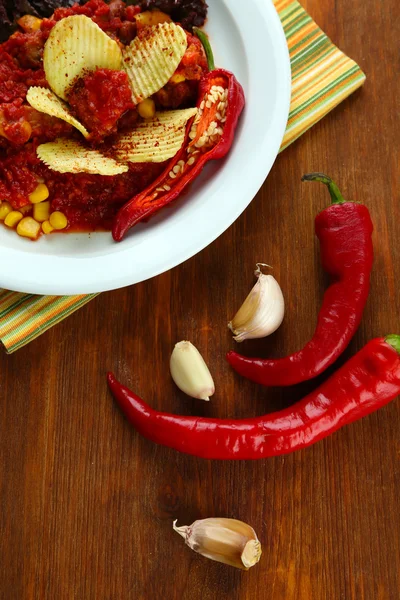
<point>29,228</point>
<point>147,109</point>
<point>58,220</point>
<point>5,209</point>
<point>177,78</point>
<point>29,23</point>
<point>151,17</point>
<point>41,193</point>
<point>13,218</point>
<point>47,228</point>
<point>41,211</point>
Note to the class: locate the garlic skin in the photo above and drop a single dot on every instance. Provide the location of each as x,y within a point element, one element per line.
<point>262,312</point>
<point>228,541</point>
<point>190,372</point>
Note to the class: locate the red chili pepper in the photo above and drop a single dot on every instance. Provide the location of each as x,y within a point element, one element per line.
<point>221,102</point>
<point>345,233</point>
<point>365,383</point>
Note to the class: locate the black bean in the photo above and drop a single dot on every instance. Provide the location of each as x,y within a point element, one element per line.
<point>45,8</point>
<point>190,13</point>
<point>12,10</point>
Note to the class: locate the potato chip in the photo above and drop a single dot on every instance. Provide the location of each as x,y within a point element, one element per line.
<point>46,102</point>
<point>150,61</point>
<point>154,140</point>
<point>69,156</point>
<point>75,45</point>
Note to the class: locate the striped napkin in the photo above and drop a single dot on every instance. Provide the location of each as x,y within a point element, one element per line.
<point>322,76</point>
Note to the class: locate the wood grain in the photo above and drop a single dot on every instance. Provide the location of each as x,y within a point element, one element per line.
<point>87,505</point>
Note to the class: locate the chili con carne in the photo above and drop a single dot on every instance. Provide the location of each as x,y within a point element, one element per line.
<point>364,384</point>
<point>345,233</point>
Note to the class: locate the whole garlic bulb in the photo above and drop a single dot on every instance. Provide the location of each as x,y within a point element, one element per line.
<point>262,312</point>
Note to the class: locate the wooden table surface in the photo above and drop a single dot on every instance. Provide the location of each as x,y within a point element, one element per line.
<point>87,505</point>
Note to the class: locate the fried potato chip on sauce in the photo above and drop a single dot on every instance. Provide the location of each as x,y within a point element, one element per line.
<point>153,57</point>
<point>154,140</point>
<point>69,156</point>
<point>75,46</point>
<point>46,102</point>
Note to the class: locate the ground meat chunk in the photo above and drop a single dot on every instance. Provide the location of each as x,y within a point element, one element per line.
<point>174,96</point>
<point>100,99</point>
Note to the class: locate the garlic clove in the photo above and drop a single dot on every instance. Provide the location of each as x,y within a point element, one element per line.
<point>262,312</point>
<point>190,372</point>
<point>229,541</point>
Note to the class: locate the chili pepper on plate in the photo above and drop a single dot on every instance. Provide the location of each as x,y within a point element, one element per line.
<point>344,230</point>
<point>209,137</point>
<point>364,384</point>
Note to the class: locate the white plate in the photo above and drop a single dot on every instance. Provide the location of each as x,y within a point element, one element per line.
<point>249,40</point>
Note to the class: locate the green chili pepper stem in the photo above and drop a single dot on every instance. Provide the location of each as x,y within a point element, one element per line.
<point>334,191</point>
<point>207,47</point>
<point>394,341</point>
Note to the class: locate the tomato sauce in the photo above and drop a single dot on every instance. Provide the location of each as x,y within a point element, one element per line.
<point>19,173</point>
<point>101,100</point>
<point>93,200</point>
